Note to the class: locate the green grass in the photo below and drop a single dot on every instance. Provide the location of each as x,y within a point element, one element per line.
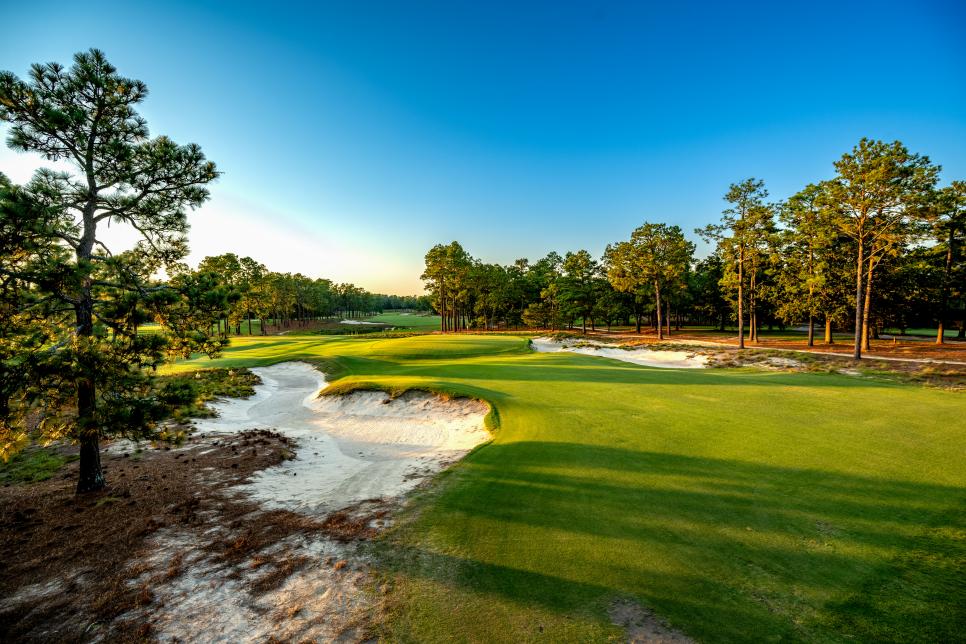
<point>412,321</point>
<point>206,385</point>
<point>741,505</point>
<point>32,465</point>
<point>930,333</point>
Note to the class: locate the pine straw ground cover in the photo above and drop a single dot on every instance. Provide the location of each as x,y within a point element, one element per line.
<point>68,563</point>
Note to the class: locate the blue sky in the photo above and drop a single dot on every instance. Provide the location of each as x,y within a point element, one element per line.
<point>355,135</point>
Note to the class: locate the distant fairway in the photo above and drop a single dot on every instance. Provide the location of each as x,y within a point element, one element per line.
<point>741,505</point>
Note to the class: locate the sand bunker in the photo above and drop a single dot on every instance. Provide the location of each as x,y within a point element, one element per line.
<point>641,356</point>
<point>355,456</point>
<point>360,446</point>
<point>360,322</point>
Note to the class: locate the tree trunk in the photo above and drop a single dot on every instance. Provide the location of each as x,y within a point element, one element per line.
<point>829,339</point>
<point>944,300</point>
<point>859,309</point>
<point>667,318</point>
<point>811,295</point>
<point>752,318</point>
<point>657,299</point>
<point>741,298</point>
<point>867,306</point>
<point>91,478</point>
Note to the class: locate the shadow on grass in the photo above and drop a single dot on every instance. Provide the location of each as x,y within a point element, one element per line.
<point>727,550</point>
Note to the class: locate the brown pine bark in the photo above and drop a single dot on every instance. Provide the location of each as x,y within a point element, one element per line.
<point>657,299</point>
<point>741,297</point>
<point>859,308</point>
<point>867,306</point>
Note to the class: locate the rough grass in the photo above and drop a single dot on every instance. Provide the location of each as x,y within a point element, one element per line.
<point>739,504</point>
<point>33,465</point>
<point>210,384</point>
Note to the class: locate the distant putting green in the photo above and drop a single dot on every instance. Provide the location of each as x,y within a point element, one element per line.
<point>741,505</point>
<point>416,321</point>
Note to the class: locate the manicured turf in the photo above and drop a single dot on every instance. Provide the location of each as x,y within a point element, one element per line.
<point>928,333</point>
<point>741,505</point>
<point>407,321</point>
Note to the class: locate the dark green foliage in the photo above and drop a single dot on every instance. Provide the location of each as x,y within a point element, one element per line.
<point>185,395</point>
<point>65,290</point>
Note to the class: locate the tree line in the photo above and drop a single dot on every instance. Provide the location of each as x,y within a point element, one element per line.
<point>877,245</point>
<point>252,293</point>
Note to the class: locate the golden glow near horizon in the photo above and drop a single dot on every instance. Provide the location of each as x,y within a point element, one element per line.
<point>229,225</point>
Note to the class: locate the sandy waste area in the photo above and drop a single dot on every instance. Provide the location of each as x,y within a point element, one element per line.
<point>641,356</point>
<point>355,455</point>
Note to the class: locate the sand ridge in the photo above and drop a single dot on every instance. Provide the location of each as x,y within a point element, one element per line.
<point>350,448</point>
<point>640,356</point>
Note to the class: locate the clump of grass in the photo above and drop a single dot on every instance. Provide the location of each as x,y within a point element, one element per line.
<point>32,465</point>
<point>190,392</point>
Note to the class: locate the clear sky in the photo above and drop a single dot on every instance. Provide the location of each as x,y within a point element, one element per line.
<point>355,135</point>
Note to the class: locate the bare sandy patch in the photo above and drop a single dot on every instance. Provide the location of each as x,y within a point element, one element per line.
<point>635,355</point>
<point>641,626</point>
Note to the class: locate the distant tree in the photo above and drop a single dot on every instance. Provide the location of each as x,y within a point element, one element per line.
<point>742,236</point>
<point>579,285</point>
<point>447,279</point>
<point>706,293</point>
<point>949,226</point>
<point>251,276</point>
<point>86,117</point>
<point>804,271</point>
<point>228,269</point>
<point>881,189</point>
<point>656,257</point>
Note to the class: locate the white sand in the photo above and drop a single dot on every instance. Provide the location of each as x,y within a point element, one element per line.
<point>641,356</point>
<point>350,448</point>
<point>360,322</point>
<point>210,602</point>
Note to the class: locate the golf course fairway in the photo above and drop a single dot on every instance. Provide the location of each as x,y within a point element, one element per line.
<point>736,504</point>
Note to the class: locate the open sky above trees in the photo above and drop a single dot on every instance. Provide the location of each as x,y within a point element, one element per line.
<point>515,130</point>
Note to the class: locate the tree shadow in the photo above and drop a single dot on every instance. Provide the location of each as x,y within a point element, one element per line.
<point>728,550</point>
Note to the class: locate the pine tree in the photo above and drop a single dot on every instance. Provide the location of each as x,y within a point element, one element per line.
<point>85,116</point>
